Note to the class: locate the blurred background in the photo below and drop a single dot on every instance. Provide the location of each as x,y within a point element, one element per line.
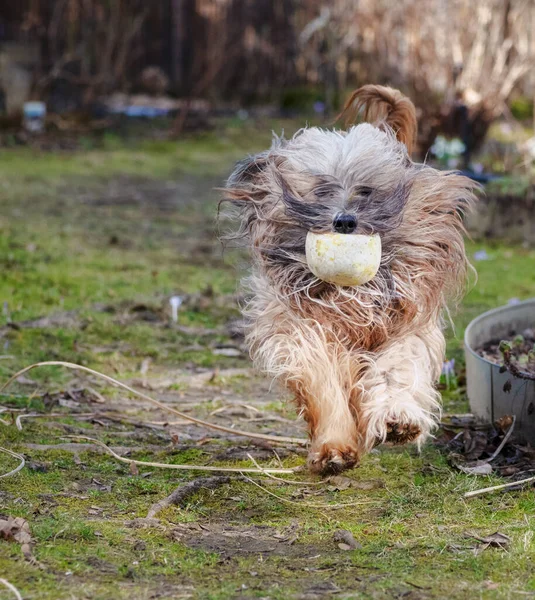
<point>465,64</point>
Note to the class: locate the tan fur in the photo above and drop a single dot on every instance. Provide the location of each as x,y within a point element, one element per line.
<point>361,361</point>
<point>383,104</point>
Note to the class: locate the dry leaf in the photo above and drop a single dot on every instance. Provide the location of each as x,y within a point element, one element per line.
<point>504,422</point>
<point>68,403</point>
<point>495,540</point>
<point>144,368</point>
<point>369,484</point>
<point>346,539</point>
<point>231,352</point>
<point>475,443</point>
<point>339,482</point>
<point>25,380</point>
<point>17,530</point>
<point>477,469</point>
<point>345,547</point>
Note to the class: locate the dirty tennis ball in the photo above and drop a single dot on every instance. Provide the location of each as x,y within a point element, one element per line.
<point>343,259</point>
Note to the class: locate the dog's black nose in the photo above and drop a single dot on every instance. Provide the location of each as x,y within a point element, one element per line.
<point>345,223</point>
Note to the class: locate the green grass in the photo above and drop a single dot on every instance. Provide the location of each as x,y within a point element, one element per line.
<point>73,237</point>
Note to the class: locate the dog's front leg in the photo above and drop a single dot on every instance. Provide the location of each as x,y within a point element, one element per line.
<point>323,400</point>
<point>321,381</point>
<point>399,402</point>
<point>318,370</point>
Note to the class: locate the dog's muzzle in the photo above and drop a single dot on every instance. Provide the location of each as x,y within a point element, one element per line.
<point>345,223</point>
<point>343,259</point>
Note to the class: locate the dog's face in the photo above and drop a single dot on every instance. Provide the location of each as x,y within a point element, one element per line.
<point>354,182</point>
<point>359,181</point>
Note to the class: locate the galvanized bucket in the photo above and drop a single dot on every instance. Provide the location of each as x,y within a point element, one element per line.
<point>484,382</point>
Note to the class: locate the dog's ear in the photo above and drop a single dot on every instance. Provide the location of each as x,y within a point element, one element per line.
<point>246,190</point>
<point>383,105</point>
<point>247,171</point>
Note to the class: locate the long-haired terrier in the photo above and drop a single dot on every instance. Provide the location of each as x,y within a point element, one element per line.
<point>361,353</point>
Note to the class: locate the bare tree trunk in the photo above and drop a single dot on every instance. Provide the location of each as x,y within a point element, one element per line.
<point>178,39</point>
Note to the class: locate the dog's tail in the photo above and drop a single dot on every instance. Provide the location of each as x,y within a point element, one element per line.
<point>383,105</point>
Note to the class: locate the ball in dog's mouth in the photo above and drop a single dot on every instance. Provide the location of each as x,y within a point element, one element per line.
<point>343,259</point>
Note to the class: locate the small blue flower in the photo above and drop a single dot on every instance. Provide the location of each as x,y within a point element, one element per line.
<point>448,368</point>
<point>319,107</point>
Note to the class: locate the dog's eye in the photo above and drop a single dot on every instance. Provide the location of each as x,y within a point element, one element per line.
<point>364,191</point>
<point>323,192</point>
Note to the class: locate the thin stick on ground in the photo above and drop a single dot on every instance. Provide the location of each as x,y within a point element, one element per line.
<point>18,420</point>
<point>495,488</point>
<point>11,588</point>
<point>142,463</point>
<point>14,455</point>
<point>68,365</point>
<point>302,503</point>
<point>506,437</point>
<point>184,492</point>
<point>3,421</point>
<point>289,481</point>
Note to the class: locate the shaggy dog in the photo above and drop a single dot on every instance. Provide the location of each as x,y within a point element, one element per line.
<point>362,360</point>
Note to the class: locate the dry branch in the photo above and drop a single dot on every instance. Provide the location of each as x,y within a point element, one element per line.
<point>184,492</point>
<point>302,503</point>
<point>11,588</point>
<point>165,407</point>
<point>14,455</point>
<point>131,461</point>
<point>495,488</point>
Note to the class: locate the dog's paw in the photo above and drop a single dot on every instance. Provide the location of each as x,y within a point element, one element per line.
<point>330,460</point>
<point>402,433</point>
<point>397,427</point>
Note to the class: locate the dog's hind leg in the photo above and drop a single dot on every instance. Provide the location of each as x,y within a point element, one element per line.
<point>399,402</point>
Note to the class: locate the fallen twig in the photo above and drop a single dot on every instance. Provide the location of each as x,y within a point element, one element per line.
<point>494,488</point>
<point>18,420</point>
<point>185,491</point>
<point>77,448</point>
<point>290,481</point>
<point>11,588</point>
<point>483,466</point>
<point>249,434</point>
<point>15,455</point>
<point>132,461</point>
<point>302,503</point>
<point>3,409</point>
<point>506,437</point>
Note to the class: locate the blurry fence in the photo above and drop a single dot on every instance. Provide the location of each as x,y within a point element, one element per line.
<point>249,50</point>
<point>232,49</point>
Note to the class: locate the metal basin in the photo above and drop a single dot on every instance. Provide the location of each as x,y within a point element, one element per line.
<point>485,383</point>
